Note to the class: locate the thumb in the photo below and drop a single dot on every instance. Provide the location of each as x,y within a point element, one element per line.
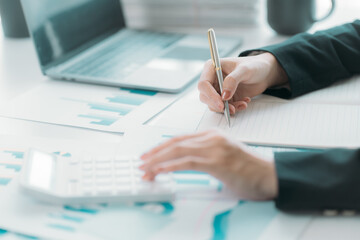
<point>231,83</point>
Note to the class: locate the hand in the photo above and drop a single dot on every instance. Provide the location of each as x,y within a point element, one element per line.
<point>244,78</point>
<point>246,174</point>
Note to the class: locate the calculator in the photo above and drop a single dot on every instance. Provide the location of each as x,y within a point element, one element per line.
<point>90,179</point>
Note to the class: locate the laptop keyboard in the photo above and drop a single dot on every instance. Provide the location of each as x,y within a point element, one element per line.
<point>117,60</point>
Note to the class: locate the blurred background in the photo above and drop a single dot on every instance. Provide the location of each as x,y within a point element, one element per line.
<point>225,15</point>
<point>220,14</point>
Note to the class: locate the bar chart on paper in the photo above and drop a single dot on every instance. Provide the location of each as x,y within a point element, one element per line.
<point>10,165</point>
<point>87,106</point>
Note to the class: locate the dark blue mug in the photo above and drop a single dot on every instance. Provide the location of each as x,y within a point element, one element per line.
<point>12,19</point>
<point>290,17</point>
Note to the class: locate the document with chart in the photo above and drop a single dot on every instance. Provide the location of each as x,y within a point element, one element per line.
<point>199,208</point>
<point>325,118</point>
<point>87,106</point>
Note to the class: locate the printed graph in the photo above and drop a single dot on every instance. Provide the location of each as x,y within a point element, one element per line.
<point>69,218</point>
<point>10,164</point>
<point>110,109</point>
<point>247,219</point>
<point>88,106</point>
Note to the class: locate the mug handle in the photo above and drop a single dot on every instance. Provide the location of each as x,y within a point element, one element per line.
<point>329,13</point>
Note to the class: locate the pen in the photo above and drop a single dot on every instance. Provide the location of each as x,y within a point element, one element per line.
<point>216,62</point>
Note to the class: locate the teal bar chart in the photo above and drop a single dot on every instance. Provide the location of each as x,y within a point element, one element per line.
<point>86,106</point>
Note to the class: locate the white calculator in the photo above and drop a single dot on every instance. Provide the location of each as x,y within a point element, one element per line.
<point>90,179</point>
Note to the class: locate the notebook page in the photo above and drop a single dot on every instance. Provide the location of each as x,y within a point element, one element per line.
<point>291,124</point>
<point>343,92</point>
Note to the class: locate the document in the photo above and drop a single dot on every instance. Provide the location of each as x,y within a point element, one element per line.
<point>329,117</point>
<point>291,124</point>
<point>200,210</point>
<point>200,197</point>
<point>87,106</point>
<point>184,115</point>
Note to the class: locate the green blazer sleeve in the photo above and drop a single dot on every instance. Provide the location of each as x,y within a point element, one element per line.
<point>314,61</point>
<point>318,181</point>
<point>322,180</point>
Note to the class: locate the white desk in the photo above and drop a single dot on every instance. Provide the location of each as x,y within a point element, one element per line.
<point>19,72</point>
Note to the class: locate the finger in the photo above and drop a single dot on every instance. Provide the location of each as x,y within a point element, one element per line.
<point>208,79</point>
<point>216,105</point>
<point>208,74</point>
<point>240,105</point>
<point>231,83</point>
<point>168,143</point>
<point>149,176</point>
<point>207,89</point>
<point>183,164</point>
<point>247,100</point>
<point>232,109</point>
<point>215,110</point>
<point>174,152</point>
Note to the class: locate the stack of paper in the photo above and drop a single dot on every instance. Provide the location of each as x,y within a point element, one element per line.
<point>191,13</point>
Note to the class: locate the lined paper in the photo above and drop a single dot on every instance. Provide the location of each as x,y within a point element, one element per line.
<point>343,92</point>
<point>291,124</point>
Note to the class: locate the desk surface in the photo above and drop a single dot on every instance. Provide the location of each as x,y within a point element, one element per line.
<point>20,72</point>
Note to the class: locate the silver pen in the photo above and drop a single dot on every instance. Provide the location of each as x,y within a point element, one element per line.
<point>217,64</point>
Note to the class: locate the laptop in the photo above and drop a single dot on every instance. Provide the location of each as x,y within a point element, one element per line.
<point>88,41</point>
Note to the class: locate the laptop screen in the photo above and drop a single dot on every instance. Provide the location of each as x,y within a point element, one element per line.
<point>60,27</point>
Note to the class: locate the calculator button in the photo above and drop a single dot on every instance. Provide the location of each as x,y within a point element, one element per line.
<point>74,172</point>
<point>106,190</point>
<point>122,181</point>
<point>122,189</point>
<point>138,174</point>
<point>146,188</point>
<point>73,188</point>
<point>163,178</point>
<point>87,167</point>
<point>137,164</point>
<point>87,161</point>
<point>120,173</point>
<point>103,166</point>
<point>103,174</point>
<point>118,159</point>
<point>104,161</point>
<point>88,176</point>
<point>121,165</point>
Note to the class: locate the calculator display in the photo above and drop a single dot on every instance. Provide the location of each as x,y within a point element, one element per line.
<point>41,170</point>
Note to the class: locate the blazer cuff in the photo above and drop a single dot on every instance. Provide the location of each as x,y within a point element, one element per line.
<point>312,181</point>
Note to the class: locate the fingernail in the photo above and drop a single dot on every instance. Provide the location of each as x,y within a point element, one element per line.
<point>226,95</point>
<point>242,107</point>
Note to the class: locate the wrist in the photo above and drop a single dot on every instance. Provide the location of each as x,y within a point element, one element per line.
<point>266,179</point>
<point>269,181</point>
<point>262,172</point>
<point>277,75</point>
